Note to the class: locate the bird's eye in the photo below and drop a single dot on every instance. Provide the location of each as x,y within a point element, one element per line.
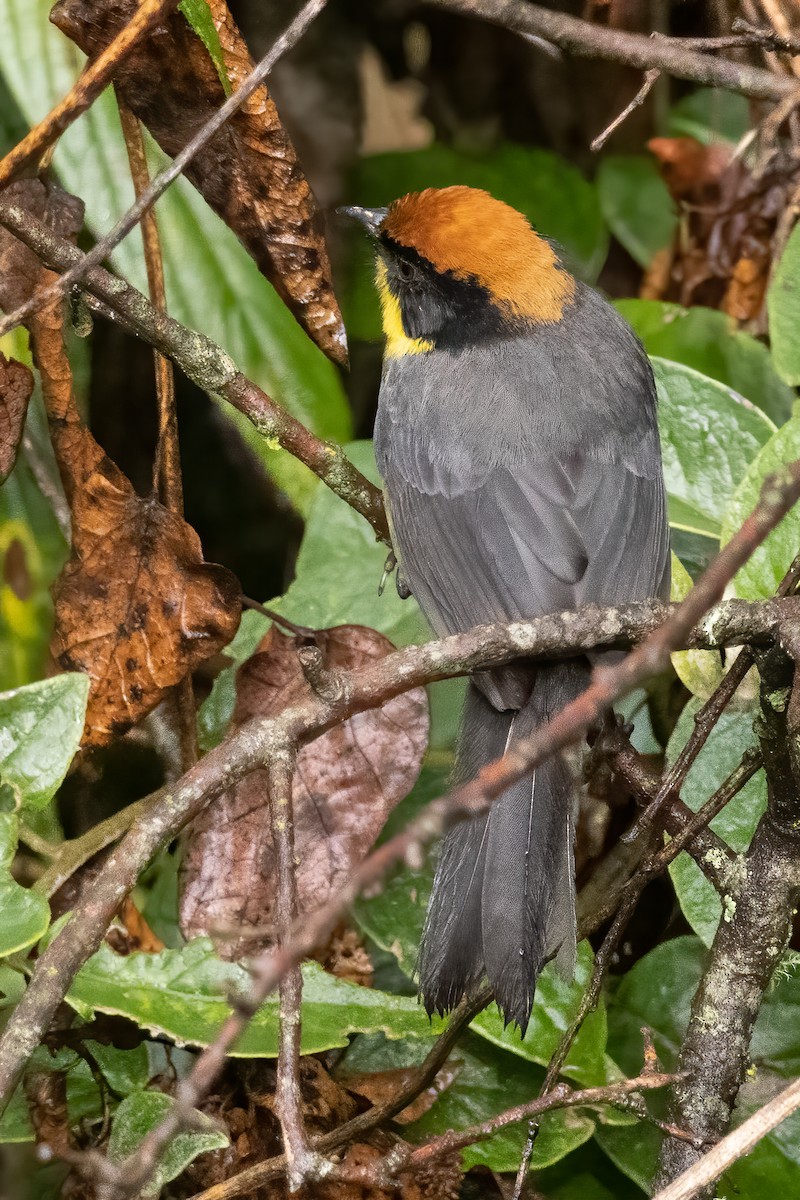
<point>405,270</point>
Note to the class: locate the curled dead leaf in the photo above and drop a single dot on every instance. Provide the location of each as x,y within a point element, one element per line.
<point>379,1087</point>
<point>137,608</point>
<point>249,172</point>
<point>16,386</point>
<point>346,783</point>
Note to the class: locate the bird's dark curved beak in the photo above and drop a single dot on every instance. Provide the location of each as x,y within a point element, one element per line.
<point>370,218</point>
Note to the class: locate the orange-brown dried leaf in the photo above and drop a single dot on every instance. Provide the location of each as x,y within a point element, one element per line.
<point>137,608</point>
<point>46,1093</point>
<point>249,173</point>
<point>16,387</point>
<point>139,934</point>
<point>346,783</point>
<point>346,957</point>
<point>379,1087</point>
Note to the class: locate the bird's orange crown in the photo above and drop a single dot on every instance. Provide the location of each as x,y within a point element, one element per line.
<point>466,231</point>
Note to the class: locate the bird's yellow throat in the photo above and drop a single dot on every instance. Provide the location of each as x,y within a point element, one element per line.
<point>397,341</point>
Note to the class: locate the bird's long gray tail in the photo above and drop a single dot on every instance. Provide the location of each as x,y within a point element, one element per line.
<point>503,900</point>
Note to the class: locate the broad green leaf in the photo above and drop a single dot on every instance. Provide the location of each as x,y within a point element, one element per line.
<point>212,283</point>
<point>727,742</point>
<point>709,437</point>
<point>783,309</point>
<point>710,342</point>
<point>554,1007</point>
<point>658,992</point>
<point>556,198</point>
<point>586,1174</point>
<point>143,1111</point>
<point>25,913</point>
<point>761,574</point>
<point>183,994</point>
<point>12,986</point>
<point>636,205</point>
<point>337,575</point>
<point>489,1082</point>
<point>40,731</point>
<point>710,115</point>
<point>198,14</point>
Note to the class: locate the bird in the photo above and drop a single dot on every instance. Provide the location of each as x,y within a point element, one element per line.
<point>517,441</point>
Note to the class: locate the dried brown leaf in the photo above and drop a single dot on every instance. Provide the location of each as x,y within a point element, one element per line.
<point>346,784</point>
<point>379,1087</point>
<point>137,608</point>
<point>46,1093</point>
<point>16,386</point>
<point>248,173</point>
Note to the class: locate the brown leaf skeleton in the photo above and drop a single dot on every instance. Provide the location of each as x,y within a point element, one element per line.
<point>517,440</point>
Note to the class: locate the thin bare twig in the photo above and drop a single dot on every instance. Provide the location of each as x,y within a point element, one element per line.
<point>85,90</point>
<point>159,185</point>
<point>638,100</point>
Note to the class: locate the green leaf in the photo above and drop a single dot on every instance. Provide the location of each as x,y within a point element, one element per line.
<point>555,1005</point>
<point>12,986</point>
<point>700,671</point>
<point>761,574</point>
<point>658,992</point>
<point>40,731</point>
<point>183,994</point>
<point>710,115</point>
<point>727,742</point>
<point>26,914</point>
<point>553,195</point>
<point>637,205</point>
<point>212,283</point>
<point>143,1111</point>
<point>783,309</point>
<point>489,1082</point>
<point>710,342</point>
<point>709,437</point>
<point>198,14</point>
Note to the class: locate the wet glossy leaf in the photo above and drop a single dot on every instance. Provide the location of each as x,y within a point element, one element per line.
<point>709,437</point>
<point>345,785</point>
<point>761,574</point>
<point>183,994</point>
<point>40,731</point>
<point>731,736</point>
<point>491,1081</point>
<point>554,1007</point>
<point>783,306</point>
<point>710,342</point>
<point>26,914</point>
<point>560,203</point>
<point>143,1111</point>
<point>636,204</point>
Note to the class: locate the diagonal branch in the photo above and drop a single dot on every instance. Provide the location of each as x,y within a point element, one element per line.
<point>586,40</point>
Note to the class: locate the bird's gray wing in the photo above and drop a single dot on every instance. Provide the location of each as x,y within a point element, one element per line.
<point>545,536</point>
